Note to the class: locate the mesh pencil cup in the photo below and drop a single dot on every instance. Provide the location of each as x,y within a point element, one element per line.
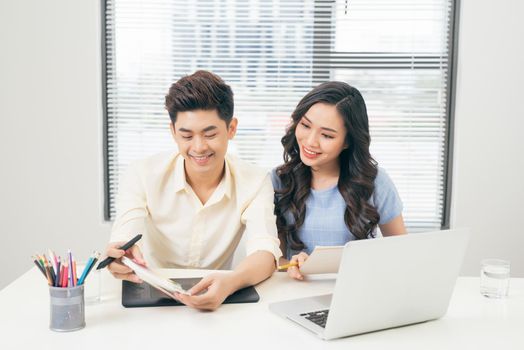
<point>67,309</point>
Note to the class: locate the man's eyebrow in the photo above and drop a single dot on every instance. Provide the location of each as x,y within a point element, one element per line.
<point>209,128</point>
<point>206,129</point>
<point>323,128</point>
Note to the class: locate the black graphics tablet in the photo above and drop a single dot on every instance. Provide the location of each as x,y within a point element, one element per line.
<point>143,295</point>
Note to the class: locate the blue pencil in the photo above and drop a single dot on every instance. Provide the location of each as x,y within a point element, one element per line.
<point>90,267</point>
<point>86,270</point>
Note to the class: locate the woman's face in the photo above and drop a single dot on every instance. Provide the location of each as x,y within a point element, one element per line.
<point>321,136</point>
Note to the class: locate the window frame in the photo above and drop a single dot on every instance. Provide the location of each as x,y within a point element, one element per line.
<point>450,109</point>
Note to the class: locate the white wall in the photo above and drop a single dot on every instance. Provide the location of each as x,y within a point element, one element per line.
<point>488,182</point>
<point>51,131</point>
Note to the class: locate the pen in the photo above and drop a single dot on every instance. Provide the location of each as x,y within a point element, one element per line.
<point>283,267</point>
<point>126,246</point>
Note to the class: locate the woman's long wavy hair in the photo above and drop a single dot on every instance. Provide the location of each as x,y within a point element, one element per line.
<point>358,169</point>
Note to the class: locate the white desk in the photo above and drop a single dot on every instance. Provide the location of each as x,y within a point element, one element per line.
<point>472,321</point>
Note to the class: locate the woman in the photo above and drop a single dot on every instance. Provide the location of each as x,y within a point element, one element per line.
<point>330,190</point>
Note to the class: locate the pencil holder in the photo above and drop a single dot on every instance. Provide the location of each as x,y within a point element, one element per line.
<point>67,309</point>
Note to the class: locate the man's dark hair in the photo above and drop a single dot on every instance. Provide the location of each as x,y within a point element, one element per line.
<point>200,90</point>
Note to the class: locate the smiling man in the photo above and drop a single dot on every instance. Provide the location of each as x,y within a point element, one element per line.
<point>195,205</point>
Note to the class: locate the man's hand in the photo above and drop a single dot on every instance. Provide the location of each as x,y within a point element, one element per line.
<point>294,271</point>
<point>119,270</point>
<point>219,286</point>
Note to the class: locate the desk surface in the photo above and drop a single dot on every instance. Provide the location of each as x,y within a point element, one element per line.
<point>472,321</point>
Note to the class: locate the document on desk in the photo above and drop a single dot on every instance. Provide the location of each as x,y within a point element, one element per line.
<point>323,259</point>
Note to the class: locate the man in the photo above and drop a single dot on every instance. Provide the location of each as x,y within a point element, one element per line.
<point>194,205</point>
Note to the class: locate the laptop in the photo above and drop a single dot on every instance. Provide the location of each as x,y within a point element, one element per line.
<point>384,283</point>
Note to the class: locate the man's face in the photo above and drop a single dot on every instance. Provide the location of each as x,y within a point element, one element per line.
<point>202,139</point>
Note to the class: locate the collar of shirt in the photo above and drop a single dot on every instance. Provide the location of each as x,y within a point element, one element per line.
<point>224,187</point>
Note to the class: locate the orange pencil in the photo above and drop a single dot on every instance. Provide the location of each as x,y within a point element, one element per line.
<point>74,273</point>
<point>61,280</point>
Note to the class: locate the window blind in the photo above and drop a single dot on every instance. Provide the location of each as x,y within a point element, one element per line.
<point>397,53</point>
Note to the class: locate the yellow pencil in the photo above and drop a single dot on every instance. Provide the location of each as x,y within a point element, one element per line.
<point>48,272</point>
<point>283,267</point>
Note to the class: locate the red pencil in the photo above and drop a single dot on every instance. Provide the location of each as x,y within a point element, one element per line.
<point>61,281</point>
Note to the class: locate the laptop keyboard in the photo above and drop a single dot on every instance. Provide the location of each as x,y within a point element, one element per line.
<point>317,317</point>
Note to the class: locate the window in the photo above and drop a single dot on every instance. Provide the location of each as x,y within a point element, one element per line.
<point>397,53</point>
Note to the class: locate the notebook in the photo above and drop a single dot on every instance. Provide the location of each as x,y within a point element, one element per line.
<point>143,295</point>
<point>323,259</point>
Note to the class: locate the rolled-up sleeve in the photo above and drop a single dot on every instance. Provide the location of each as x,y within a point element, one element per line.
<point>131,206</point>
<point>260,223</point>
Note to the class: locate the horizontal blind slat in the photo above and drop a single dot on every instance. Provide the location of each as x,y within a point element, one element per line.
<point>272,53</point>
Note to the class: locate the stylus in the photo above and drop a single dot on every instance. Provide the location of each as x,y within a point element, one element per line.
<point>126,246</point>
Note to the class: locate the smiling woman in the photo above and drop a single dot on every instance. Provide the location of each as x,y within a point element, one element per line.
<point>321,137</point>
<point>330,190</point>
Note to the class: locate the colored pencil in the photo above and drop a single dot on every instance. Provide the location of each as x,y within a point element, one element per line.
<point>97,256</point>
<point>61,280</point>
<point>86,269</point>
<point>75,281</point>
<point>66,275</point>
<point>70,272</point>
<point>286,266</point>
<point>53,261</point>
<point>63,272</point>
<point>59,274</point>
<point>38,265</point>
<point>52,274</point>
<point>48,273</point>
<point>89,266</point>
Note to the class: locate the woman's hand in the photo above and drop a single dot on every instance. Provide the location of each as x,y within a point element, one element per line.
<point>294,271</point>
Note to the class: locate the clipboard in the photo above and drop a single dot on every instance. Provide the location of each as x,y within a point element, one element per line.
<point>323,259</point>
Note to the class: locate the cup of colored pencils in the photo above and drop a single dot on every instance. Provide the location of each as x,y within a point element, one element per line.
<point>62,272</point>
<point>66,289</point>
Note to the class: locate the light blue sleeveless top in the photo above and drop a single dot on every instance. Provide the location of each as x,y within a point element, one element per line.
<point>324,222</point>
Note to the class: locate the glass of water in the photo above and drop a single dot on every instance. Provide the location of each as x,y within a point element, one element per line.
<point>494,278</point>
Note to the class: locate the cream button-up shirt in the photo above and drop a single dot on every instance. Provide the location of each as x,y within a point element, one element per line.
<point>178,230</point>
